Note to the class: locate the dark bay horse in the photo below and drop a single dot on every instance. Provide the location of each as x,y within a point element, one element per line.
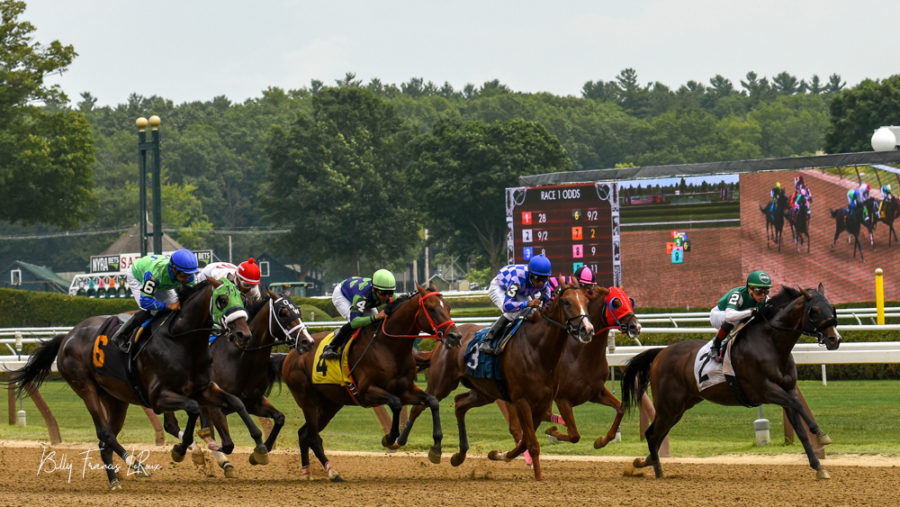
<point>173,368</point>
<point>762,362</point>
<point>585,370</point>
<point>530,364</point>
<point>383,368</point>
<point>799,219</point>
<point>774,212</point>
<point>890,210</point>
<point>844,220</point>
<point>241,367</point>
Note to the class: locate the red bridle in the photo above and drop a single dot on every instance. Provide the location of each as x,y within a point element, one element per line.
<point>435,328</point>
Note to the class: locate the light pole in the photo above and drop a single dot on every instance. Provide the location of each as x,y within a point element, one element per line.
<point>143,147</point>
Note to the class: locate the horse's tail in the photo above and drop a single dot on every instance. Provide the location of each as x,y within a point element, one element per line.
<point>273,372</point>
<point>38,366</point>
<point>637,375</point>
<point>423,359</point>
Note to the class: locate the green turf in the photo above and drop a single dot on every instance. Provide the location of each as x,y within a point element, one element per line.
<point>862,417</point>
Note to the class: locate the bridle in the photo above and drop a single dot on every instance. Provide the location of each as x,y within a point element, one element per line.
<point>437,330</point>
<point>288,337</point>
<point>572,324</point>
<point>807,326</point>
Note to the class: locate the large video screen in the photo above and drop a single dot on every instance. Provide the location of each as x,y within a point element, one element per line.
<point>684,242</point>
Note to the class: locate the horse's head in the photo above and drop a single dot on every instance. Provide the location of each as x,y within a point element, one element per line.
<point>433,316</point>
<point>286,316</point>
<point>227,311</point>
<point>613,308</point>
<point>572,304</point>
<point>820,318</point>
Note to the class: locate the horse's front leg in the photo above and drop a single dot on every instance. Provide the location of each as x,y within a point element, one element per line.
<point>417,397</point>
<point>375,395</point>
<point>214,396</point>
<point>264,408</point>
<point>793,409</point>
<point>568,416</point>
<point>609,399</point>
<point>169,401</point>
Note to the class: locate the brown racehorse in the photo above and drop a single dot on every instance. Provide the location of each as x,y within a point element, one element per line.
<point>585,370</point>
<point>530,365</point>
<point>173,368</point>
<point>762,363</point>
<point>383,368</point>
<point>241,367</point>
<point>890,210</point>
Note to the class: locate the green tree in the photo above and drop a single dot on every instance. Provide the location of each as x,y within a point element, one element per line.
<point>462,171</point>
<point>335,179</point>
<point>45,156</point>
<point>857,112</point>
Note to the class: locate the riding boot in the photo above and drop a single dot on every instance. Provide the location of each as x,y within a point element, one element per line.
<point>122,337</point>
<point>489,344</point>
<point>714,351</point>
<point>333,350</point>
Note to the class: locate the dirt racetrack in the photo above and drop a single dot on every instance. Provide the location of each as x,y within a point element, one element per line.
<point>407,479</point>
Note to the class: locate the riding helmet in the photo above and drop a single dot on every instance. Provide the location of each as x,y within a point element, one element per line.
<point>540,265</point>
<point>759,278</point>
<point>584,275</point>
<point>384,280</point>
<point>185,261</point>
<point>248,272</point>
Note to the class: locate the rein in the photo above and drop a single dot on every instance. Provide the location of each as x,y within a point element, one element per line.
<point>568,326</point>
<point>287,333</point>
<point>814,333</point>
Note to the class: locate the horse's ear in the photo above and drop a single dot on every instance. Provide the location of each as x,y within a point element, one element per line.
<point>215,283</point>
<point>806,294</point>
<point>821,289</point>
<point>420,289</point>
<point>271,294</point>
<point>600,291</point>
<point>432,287</point>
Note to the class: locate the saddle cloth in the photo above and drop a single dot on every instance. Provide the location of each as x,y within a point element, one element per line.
<point>108,360</point>
<point>333,371</point>
<point>481,365</point>
<point>707,371</point>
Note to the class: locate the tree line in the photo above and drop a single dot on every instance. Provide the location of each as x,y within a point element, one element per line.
<point>358,170</point>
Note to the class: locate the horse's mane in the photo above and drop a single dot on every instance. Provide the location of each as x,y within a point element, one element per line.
<point>395,304</point>
<point>254,308</point>
<point>185,293</point>
<point>781,300</point>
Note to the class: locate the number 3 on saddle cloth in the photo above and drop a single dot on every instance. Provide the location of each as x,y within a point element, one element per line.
<point>488,365</point>
<point>108,360</point>
<point>335,371</point>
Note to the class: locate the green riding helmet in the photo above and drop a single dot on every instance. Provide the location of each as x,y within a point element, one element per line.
<point>759,278</point>
<point>384,280</point>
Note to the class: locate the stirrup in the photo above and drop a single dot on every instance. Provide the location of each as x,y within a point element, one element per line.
<point>487,348</point>
<point>330,352</point>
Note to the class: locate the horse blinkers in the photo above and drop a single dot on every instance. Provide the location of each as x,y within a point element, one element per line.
<point>816,324</point>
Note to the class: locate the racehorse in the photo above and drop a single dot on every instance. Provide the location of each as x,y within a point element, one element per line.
<point>774,212</point>
<point>763,367</point>
<point>240,367</point>
<point>844,220</point>
<point>585,370</point>
<point>383,369</point>
<point>890,210</point>
<point>530,365</point>
<point>870,218</point>
<point>173,369</point>
<point>799,219</point>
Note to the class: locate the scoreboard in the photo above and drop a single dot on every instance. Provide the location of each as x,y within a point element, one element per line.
<point>573,225</point>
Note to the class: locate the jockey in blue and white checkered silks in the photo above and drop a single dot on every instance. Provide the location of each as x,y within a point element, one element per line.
<point>515,289</point>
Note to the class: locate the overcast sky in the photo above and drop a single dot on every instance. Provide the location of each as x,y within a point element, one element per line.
<point>187,50</point>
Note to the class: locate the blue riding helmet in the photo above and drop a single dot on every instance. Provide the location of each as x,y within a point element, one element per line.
<point>185,261</point>
<point>540,265</point>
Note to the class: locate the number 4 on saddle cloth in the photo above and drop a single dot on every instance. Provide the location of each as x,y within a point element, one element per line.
<point>333,371</point>
<point>108,360</point>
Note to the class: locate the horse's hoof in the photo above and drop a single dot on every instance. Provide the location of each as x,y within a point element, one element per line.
<point>230,472</point>
<point>822,474</point>
<point>214,446</point>
<point>629,470</point>
<point>457,459</point>
<point>140,471</point>
<point>824,439</point>
<point>259,456</point>
<point>334,475</point>
<point>337,478</point>
<point>601,442</point>
<point>114,485</point>
<point>177,455</point>
<point>495,455</point>
<point>227,449</point>
<point>434,456</point>
<point>550,431</point>
<point>389,443</point>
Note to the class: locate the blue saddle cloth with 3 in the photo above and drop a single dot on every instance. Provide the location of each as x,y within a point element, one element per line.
<point>486,365</point>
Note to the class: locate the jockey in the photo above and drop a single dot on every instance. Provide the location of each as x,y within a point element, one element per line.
<point>801,191</point>
<point>516,288</point>
<point>245,277</point>
<point>736,305</point>
<point>357,300</point>
<point>852,199</point>
<point>583,274</point>
<point>864,191</point>
<point>776,191</point>
<point>886,195</point>
<point>152,280</point>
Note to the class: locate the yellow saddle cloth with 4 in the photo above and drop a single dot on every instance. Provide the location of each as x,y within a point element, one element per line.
<point>332,371</point>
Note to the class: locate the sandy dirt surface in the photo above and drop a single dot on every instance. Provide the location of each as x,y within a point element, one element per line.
<point>33,474</point>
